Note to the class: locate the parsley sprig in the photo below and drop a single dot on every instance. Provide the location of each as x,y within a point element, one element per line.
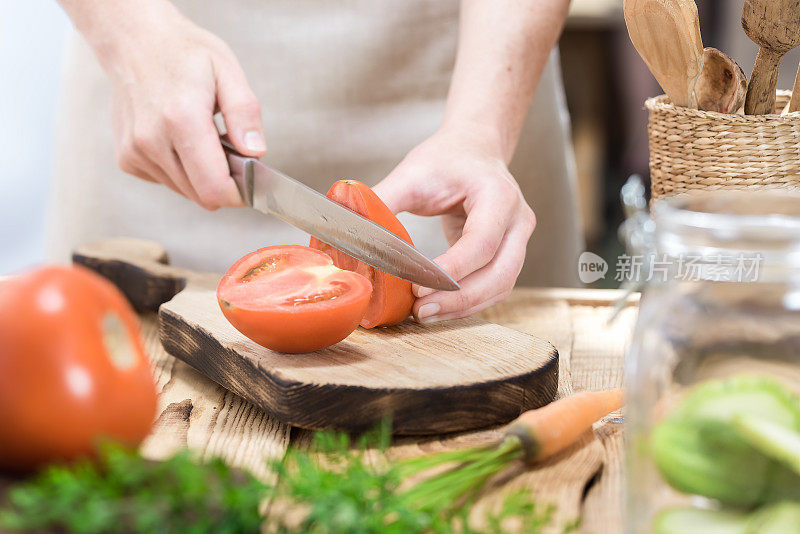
<point>333,487</point>
<point>123,492</point>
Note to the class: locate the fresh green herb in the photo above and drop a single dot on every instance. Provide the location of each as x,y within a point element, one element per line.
<point>462,482</point>
<point>339,490</point>
<point>334,487</point>
<point>125,493</point>
<point>519,511</point>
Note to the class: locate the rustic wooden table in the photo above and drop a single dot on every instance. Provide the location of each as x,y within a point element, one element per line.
<point>583,482</point>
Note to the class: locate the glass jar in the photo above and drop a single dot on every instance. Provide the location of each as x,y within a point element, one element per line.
<point>716,356</point>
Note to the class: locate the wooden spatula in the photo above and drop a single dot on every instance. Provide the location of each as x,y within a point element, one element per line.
<point>774,25</point>
<point>794,103</point>
<point>666,33</point>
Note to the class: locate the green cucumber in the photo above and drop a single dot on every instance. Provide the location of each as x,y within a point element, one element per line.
<point>751,395</point>
<point>781,518</point>
<point>695,521</point>
<point>773,440</point>
<point>693,463</point>
<point>698,450</point>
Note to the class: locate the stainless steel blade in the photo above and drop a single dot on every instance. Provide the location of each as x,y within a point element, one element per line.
<point>274,193</point>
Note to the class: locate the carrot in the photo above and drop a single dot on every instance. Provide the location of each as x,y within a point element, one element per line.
<point>534,435</point>
<point>553,428</point>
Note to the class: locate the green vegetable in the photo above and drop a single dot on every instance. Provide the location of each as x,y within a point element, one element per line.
<point>333,488</point>
<point>347,495</point>
<point>694,521</point>
<point>341,491</point>
<point>472,469</point>
<point>692,463</point>
<point>780,518</point>
<point>759,396</point>
<point>126,493</point>
<point>773,440</point>
<point>698,450</point>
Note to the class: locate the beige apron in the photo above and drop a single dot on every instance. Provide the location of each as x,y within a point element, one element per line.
<point>347,88</point>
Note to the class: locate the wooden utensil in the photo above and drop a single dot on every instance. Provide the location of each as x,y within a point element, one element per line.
<point>666,33</point>
<point>430,379</point>
<point>794,103</point>
<point>722,85</point>
<point>774,25</point>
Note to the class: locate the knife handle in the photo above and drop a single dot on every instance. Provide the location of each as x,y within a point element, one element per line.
<point>241,168</point>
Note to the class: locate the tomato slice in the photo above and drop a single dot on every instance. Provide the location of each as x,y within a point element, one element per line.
<point>73,368</point>
<point>292,299</point>
<point>391,297</point>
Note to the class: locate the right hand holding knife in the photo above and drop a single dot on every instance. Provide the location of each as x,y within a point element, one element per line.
<point>168,77</point>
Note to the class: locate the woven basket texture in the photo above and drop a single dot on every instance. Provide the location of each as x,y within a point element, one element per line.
<point>691,149</point>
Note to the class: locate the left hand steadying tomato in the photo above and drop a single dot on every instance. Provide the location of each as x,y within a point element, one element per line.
<point>73,369</point>
<point>462,177</point>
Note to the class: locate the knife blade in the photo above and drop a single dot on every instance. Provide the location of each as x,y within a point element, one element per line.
<point>272,192</point>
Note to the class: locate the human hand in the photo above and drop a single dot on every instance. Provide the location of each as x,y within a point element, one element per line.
<point>459,176</point>
<point>168,77</point>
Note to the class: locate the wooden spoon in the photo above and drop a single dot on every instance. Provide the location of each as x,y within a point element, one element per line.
<point>794,103</point>
<point>774,25</point>
<point>666,33</point>
<point>722,85</point>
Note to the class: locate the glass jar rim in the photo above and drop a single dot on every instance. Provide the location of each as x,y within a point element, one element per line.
<point>770,214</point>
<point>761,227</point>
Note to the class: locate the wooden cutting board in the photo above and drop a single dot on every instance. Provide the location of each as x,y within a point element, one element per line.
<point>430,379</point>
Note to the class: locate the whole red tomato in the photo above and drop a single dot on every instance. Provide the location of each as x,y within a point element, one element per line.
<point>292,299</point>
<point>391,296</point>
<point>73,369</point>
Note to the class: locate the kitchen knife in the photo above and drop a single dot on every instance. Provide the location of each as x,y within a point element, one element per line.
<point>271,192</point>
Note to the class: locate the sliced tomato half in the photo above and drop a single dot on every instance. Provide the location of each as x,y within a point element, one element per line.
<point>292,299</point>
<point>391,297</point>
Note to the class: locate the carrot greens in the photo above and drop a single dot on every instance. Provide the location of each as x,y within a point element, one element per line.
<point>126,493</point>
<point>335,486</point>
<point>341,488</point>
<point>533,436</point>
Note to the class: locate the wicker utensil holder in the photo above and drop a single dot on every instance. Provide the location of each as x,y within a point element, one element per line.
<point>694,150</point>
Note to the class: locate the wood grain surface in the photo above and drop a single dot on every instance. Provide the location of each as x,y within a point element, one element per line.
<point>451,376</point>
<point>196,412</point>
<point>584,483</point>
<point>794,102</point>
<point>666,33</point>
<point>576,322</point>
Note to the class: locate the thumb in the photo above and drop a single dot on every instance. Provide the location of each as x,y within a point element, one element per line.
<point>241,112</point>
<point>397,193</point>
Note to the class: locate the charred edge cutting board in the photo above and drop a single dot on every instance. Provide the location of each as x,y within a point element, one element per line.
<point>431,379</point>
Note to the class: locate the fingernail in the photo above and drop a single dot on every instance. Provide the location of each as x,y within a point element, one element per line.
<point>254,141</point>
<point>427,313</point>
<point>423,292</point>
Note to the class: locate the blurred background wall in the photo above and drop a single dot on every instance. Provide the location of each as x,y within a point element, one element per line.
<point>605,80</point>
<point>32,36</point>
